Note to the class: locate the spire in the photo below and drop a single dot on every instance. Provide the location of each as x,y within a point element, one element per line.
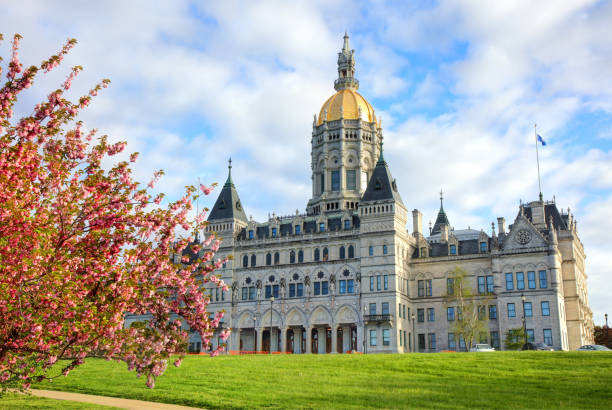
<point>381,158</point>
<point>381,186</point>
<point>346,67</point>
<point>442,219</point>
<point>229,182</point>
<point>228,205</point>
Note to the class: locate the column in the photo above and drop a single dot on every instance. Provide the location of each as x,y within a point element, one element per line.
<point>334,344</point>
<point>297,340</point>
<point>284,339</point>
<point>259,339</point>
<point>360,338</point>
<point>322,340</point>
<point>346,338</point>
<point>274,339</point>
<point>308,339</point>
<point>235,342</point>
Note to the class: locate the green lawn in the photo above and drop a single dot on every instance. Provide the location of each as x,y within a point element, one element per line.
<point>451,380</point>
<point>22,401</point>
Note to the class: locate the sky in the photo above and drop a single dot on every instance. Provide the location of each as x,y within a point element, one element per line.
<point>459,86</point>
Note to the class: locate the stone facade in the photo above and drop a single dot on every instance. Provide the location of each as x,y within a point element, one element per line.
<point>348,276</point>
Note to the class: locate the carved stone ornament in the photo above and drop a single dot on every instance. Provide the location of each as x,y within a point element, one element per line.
<point>523,237</point>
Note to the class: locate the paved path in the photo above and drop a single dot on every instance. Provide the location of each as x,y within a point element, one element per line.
<point>128,404</point>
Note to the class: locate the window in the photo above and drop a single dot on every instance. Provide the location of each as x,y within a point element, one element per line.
<point>350,286</point>
<point>421,341</point>
<point>274,230</point>
<point>251,234</point>
<point>495,339</point>
<point>492,311</point>
<point>450,286</point>
<point>372,308</point>
<point>292,257</point>
<point>481,285</point>
<point>386,337</point>
<point>385,282</point>
<point>268,259</point>
<point>342,252</point>
<point>483,247</point>
<point>292,290</point>
<point>400,338</point>
<point>528,310</point>
<point>385,249</point>
<point>317,255</point>
<point>317,288</point>
<point>268,293</point>
<point>342,288</point>
<point>428,287</point>
<point>385,308</point>
<point>298,229</point>
<point>462,343</point>
<point>335,180</point>
<point>300,256</point>
<point>482,311</point>
<point>423,252</point>
<point>324,288</point>
<point>509,281</point>
<point>300,290</point>
<point>371,283</point>
<point>483,337</point>
<point>453,249</point>
<point>252,293</point>
<point>452,343</point>
<point>431,315</point>
<point>325,254</point>
<point>511,311</point>
<point>459,313</point>
<point>450,314</point>
<point>490,287</point>
<point>245,261</point>
<point>421,284</point>
<point>322,183</point>
<point>378,282</point>
<point>276,258</point>
<point>548,337</point>
<point>253,260</point>
<point>275,291</point>
<point>431,340</point>
<point>371,251</point>
<point>245,293</point>
<point>545,308</point>
<point>322,227</point>
<point>420,315</point>
<point>372,337</point>
<point>351,179</point>
<point>520,280</point>
<point>351,252</point>
<point>543,281</point>
<point>530,335</point>
<point>531,281</point>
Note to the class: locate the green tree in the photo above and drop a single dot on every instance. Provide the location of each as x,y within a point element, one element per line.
<point>471,319</point>
<point>515,338</point>
<point>603,336</point>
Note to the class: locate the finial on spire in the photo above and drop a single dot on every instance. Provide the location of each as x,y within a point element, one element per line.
<point>381,158</point>
<point>346,46</point>
<point>441,198</point>
<point>229,173</point>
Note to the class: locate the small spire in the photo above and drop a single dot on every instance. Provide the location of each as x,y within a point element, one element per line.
<point>229,181</point>
<point>346,46</point>
<point>381,158</point>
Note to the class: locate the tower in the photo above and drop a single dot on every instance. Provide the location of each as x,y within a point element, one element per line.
<point>345,143</point>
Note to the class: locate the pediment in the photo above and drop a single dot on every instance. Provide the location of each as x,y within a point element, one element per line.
<point>523,235</point>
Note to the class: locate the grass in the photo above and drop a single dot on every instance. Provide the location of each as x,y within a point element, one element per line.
<point>450,380</point>
<point>14,401</point>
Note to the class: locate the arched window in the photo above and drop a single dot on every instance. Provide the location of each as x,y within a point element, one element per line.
<point>342,252</point>
<point>245,261</point>
<point>268,259</point>
<point>317,255</point>
<point>300,256</point>
<point>325,254</point>
<point>253,260</point>
<point>292,257</point>
<point>276,258</point>
<point>351,252</point>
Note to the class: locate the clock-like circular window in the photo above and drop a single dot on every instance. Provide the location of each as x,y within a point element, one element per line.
<point>523,237</point>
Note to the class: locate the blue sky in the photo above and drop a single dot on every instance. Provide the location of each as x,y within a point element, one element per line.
<point>459,85</point>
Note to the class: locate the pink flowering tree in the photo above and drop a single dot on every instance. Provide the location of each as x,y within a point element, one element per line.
<point>82,245</point>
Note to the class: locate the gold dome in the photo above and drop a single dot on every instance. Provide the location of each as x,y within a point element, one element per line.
<point>349,102</point>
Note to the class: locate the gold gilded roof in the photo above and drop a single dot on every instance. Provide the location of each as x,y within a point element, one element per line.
<point>345,104</point>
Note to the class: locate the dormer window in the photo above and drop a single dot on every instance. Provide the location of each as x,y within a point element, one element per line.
<point>274,230</point>
<point>452,249</point>
<point>251,234</point>
<point>347,224</point>
<point>483,247</point>
<point>298,229</point>
<point>378,185</point>
<point>322,227</point>
<point>423,252</point>
<point>222,204</point>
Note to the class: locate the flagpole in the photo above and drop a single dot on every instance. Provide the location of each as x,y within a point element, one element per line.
<point>535,136</point>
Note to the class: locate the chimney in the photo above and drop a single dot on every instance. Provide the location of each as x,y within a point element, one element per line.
<point>417,227</point>
<point>501,225</point>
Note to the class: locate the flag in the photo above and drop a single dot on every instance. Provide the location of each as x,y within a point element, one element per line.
<point>540,139</point>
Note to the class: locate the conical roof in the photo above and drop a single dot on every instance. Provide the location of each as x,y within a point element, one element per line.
<point>442,219</point>
<point>228,205</point>
<point>381,185</point>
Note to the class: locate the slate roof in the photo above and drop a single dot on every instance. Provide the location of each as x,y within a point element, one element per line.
<point>550,211</point>
<point>441,219</point>
<point>381,186</point>
<point>228,205</point>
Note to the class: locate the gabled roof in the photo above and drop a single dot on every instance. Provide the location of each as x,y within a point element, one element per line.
<point>381,185</point>
<point>228,205</point>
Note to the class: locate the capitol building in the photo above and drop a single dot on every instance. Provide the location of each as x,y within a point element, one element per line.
<point>357,271</point>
